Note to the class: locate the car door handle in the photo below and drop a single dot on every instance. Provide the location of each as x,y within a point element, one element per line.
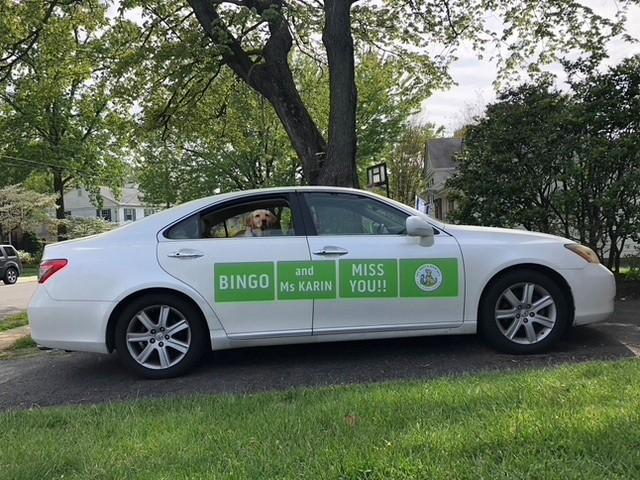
<point>330,250</point>
<point>185,254</point>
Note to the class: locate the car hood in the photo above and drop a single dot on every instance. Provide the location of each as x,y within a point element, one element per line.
<point>507,235</point>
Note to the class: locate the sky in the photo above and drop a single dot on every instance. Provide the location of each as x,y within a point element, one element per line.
<point>454,107</point>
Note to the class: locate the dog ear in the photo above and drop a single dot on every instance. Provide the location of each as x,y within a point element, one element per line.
<point>248,220</point>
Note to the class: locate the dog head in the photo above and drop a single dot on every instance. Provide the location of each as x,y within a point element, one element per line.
<point>260,220</point>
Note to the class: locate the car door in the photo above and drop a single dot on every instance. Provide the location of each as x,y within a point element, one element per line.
<point>234,265</point>
<point>385,279</point>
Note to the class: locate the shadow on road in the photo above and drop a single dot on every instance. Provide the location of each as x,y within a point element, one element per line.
<point>77,378</point>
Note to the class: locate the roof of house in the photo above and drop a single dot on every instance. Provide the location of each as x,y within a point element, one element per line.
<point>129,196</point>
<point>441,151</point>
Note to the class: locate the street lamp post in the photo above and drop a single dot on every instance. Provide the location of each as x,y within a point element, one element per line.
<point>377,176</point>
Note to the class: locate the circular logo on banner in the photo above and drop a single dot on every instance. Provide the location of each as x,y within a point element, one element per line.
<point>428,277</point>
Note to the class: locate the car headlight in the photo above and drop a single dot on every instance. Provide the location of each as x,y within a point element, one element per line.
<point>585,252</point>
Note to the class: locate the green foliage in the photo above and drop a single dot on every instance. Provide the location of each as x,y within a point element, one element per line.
<point>608,166</point>
<point>567,164</point>
<point>178,66</point>
<point>514,159</point>
<point>25,209</point>
<point>64,94</point>
<point>27,258</point>
<point>387,99</point>
<point>406,163</point>
<point>630,274</point>
<point>231,139</point>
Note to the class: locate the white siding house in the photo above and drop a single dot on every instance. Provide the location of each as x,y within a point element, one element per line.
<point>127,207</point>
<point>439,167</point>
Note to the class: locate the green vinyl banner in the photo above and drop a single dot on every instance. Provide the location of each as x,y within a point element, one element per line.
<point>368,278</point>
<point>244,282</point>
<point>334,280</point>
<point>306,280</point>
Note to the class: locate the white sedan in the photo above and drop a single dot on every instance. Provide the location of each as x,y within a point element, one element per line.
<point>303,265</point>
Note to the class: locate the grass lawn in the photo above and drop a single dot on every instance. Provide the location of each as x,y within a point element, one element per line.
<point>576,422</point>
<point>14,321</point>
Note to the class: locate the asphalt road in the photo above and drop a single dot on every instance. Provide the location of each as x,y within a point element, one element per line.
<point>15,298</point>
<point>59,378</point>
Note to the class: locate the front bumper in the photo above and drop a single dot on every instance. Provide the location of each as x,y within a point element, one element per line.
<point>594,291</point>
<point>68,325</point>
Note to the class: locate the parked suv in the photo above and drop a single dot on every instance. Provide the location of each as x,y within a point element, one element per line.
<point>10,266</point>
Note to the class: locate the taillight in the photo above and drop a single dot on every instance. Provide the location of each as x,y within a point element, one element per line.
<point>49,267</point>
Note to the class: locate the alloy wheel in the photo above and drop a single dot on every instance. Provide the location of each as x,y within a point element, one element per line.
<point>12,275</point>
<point>158,337</point>
<point>525,313</point>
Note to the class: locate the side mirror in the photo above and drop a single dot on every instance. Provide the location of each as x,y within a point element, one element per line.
<point>418,227</point>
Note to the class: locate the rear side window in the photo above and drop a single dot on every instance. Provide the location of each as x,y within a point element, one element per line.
<point>271,217</point>
<point>10,251</point>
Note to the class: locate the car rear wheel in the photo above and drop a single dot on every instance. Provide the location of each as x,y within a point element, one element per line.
<point>10,276</point>
<point>160,336</point>
<point>524,311</point>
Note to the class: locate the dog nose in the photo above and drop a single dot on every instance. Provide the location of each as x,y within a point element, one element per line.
<point>264,223</point>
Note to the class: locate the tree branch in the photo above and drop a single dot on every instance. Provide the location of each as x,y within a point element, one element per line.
<point>35,35</point>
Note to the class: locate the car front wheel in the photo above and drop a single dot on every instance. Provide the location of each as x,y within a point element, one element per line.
<point>523,312</point>
<point>10,276</point>
<point>160,336</point>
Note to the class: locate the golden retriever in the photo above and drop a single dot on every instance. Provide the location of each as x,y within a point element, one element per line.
<point>259,222</point>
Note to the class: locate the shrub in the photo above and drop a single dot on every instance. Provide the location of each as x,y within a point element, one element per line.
<point>28,258</point>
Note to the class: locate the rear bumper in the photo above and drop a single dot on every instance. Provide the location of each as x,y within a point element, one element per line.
<point>594,291</point>
<point>68,325</point>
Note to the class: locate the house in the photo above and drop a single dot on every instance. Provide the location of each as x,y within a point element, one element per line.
<point>439,167</point>
<point>126,207</point>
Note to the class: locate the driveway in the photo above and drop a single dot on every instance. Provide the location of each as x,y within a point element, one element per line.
<point>15,298</point>
<point>59,378</point>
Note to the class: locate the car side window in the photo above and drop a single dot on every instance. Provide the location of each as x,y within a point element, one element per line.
<point>263,218</point>
<point>10,251</point>
<point>348,214</point>
<point>1,253</point>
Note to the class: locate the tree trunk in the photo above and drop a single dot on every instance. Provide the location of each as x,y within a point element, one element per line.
<point>305,137</point>
<point>58,187</point>
<point>273,80</point>
<point>340,166</point>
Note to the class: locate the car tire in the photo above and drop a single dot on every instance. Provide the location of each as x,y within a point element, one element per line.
<point>10,276</point>
<point>160,336</point>
<point>524,312</point>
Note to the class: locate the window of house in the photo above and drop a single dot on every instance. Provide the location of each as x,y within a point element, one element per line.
<point>129,214</point>
<point>263,218</point>
<point>345,214</point>
<point>105,214</point>
<point>149,211</point>
<point>438,207</point>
